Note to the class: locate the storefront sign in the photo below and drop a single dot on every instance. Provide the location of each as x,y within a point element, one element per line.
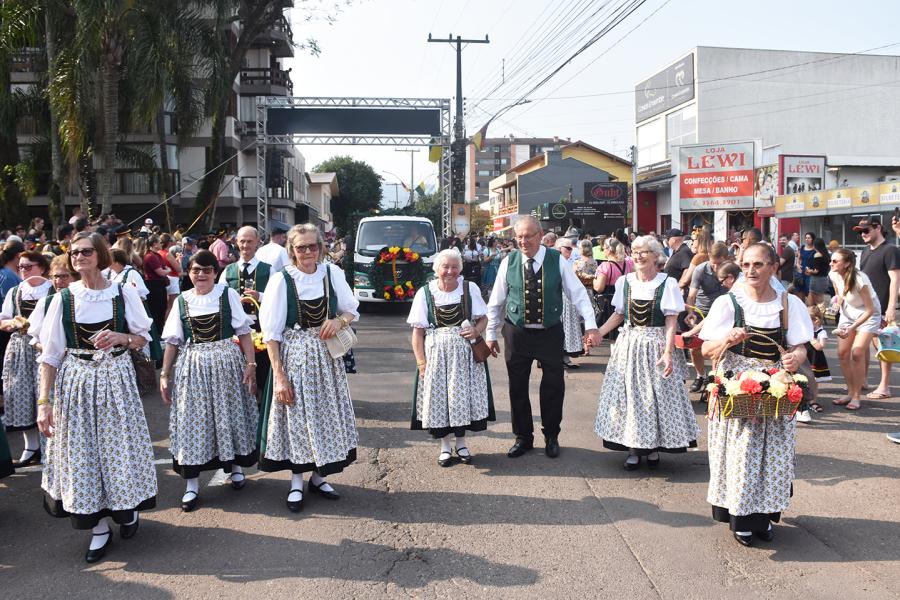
<point>499,223</point>
<point>603,198</point>
<point>716,176</point>
<point>801,173</point>
<point>667,89</point>
<point>765,186</point>
<point>835,199</point>
<point>838,201</point>
<point>461,223</point>
<point>866,196</point>
<point>889,193</point>
<point>558,211</point>
<point>509,209</point>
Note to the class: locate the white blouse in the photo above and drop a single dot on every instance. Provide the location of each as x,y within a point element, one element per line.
<point>27,292</point>
<point>273,311</point>
<point>130,276</point>
<point>418,313</point>
<point>672,299</point>
<point>91,306</point>
<point>206,304</point>
<point>853,305</point>
<point>720,319</point>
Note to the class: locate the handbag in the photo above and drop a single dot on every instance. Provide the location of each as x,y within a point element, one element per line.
<point>144,370</point>
<point>480,350</point>
<point>340,343</point>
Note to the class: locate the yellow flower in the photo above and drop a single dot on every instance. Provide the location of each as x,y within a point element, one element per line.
<point>777,389</point>
<point>415,256</point>
<point>405,250</point>
<point>800,378</point>
<point>394,249</point>
<point>409,284</point>
<point>387,296</point>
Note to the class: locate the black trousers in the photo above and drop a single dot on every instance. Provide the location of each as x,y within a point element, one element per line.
<point>156,302</point>
<point>521,348</point>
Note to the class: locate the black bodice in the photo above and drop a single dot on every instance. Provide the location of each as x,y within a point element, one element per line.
<point>207,328</point>
<point>450,315</point>
<point>84,331</point>
<point>26,307</point>
<point>312,312</point>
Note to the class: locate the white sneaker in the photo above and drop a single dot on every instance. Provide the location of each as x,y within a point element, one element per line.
<point>804,417</point>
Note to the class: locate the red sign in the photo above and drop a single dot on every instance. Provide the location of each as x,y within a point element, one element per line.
<point>717,185</point>
<point>716,176</point>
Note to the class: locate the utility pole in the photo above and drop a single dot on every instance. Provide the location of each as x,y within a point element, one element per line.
<point>634,189</point>
<point>458,146</point>
<point>412,180</point>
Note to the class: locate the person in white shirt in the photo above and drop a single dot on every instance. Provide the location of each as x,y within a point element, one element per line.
<point>274,253</point>
<point>531,283</point>
<point>121,271</point>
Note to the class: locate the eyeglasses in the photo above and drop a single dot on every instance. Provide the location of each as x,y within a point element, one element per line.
<point>27,266</point>
<point>202,270</point>
<point>835,261</point>
<point>85,252</point>
<point>724,279</point>
<point>304,248</point>
<point>754,265</point>
<point>641,253</point>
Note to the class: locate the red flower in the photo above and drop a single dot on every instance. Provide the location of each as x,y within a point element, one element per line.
<point>795,393</point>
<point>772,371</point>
<point>410,293</point>
<point>751,386</point>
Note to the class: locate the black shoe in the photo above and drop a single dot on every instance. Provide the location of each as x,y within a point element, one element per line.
<point>239,483</point>
<point>698,385</point>
<point>652,463</point>
<point>295,506</point>
<point>464,458</point>
<point>552,448</point>
<point>189,505</point>
<point>93,556</point>
<point>519,448</point>
<point>127,531</point>
<point>35,458</point>
<point>332,495</point>
<point>632,466</point>
<point>766,536</point>
<point>445,459</point>
<point>744,540</point>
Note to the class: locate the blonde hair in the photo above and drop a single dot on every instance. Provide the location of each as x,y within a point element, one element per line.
<point>815,312</point>
<point>296,231</point>
<point>615,248</point>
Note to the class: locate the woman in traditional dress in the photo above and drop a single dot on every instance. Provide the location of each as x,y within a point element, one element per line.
<point>99,455</point>
<point>307,422</point>
<point>121,271</point>
<point>573,343</point>
<point>61,276</point>
<point>751,461</point>
<point>644,408</point>
<point>20,369</point>
<point>452,392</point>
<point>492,255</point>
<point>213,416</point>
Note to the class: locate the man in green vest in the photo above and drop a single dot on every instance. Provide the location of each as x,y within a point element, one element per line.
<point>530,283</point>
<point>249,276</point>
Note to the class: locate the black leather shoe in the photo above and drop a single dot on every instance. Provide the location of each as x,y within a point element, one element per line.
<point>127,531</point>
<point>766,536</point>
<point>552,449</point>
<point>652,463</point>
<point>632,466</point>
<point>519,448</point>
<point>189,505</point>
<point>93,556</point>
<point>34,459</point>
<point>332,495</point>
<point>698,385</point>
<point>445,459</point>
<point>295,506</point>
<point>464,458</point>
<point>238,484</point>
<point>744,540</point>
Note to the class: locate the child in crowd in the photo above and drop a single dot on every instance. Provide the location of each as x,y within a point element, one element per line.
<point>815,349</point>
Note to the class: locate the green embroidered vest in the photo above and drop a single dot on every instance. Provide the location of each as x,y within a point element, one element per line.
<point>76,339</point>
<point>294,303</point>
<point>260,276</point>
<point>550,289</point>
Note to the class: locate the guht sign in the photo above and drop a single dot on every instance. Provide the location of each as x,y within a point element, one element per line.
<point>716,176</point>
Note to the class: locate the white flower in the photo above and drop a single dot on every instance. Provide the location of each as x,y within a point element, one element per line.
<point>777,389</point>
<point>800,378</point>
<point>733,388</point>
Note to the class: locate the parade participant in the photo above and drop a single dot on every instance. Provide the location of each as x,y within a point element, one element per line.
<point>207,382</point>
<point>274,253</point>
<point>751,461</point>
<point>571,322</point>
<point>20,370</point>
<point>121,271</point>
<point>491,259</point>
<point>167,242</point>
<point>817,271</point>
<point>804,259</point>
<point>644,408</point>
<point>452,392</point>
<point>99,455</point>
<point>530,283</point>
<point>249,277</point>
<point>307,421</point>
<point>61,276</point>
<point>859,322</point>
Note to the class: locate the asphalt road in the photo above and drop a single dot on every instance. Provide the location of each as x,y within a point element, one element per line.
<point>575,527</point>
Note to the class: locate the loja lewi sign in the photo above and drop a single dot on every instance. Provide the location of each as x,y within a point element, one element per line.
<point>716,176</point>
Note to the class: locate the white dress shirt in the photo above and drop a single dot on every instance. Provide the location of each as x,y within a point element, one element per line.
<point>275,255</point>
<point>131,276</point>
<point>572,287</point>
<point>273,312</point>
<point>26,292</point>
<point>251,268</point>
<point>206,304</point>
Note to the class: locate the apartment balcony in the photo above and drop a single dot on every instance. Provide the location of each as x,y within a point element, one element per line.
<point>26,64</point>
<point>279,39</point>
<point>266,82</point>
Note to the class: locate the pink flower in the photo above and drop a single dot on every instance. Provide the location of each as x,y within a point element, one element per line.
<point>795,393</point>
<point>751,386</point>
<point>772,371</point>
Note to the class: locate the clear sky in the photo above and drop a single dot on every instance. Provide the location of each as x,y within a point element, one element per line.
<point>379,48</point>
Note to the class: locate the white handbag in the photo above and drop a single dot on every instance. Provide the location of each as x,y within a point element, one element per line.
<point>340,343</point>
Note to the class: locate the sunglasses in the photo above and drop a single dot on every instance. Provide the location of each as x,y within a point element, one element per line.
<point>864,231</point>
<point>202,270</point>
<point>306,248</point>
<point>85,252</point>
<point>27,266</point>
<point>724,279</point>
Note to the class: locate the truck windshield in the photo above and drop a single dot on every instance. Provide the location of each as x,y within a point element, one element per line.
<point>375,235</point>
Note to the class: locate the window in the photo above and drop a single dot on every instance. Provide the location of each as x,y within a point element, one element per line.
<point>681,128</point>
<point>651,147</point>
<point>484,173</point>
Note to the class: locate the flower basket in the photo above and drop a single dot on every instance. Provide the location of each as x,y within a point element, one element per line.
<point>775,393</point>
<point>255,336</point>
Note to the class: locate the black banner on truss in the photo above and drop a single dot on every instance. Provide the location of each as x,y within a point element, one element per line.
<point>355,121</point>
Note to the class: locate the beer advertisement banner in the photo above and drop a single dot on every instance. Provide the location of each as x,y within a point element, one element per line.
<point>837,199</point>
<point>610,198</point>
<point>866,196</point>
<point>889,193</point>
<point>716,176</point>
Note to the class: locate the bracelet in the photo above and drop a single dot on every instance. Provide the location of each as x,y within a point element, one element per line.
<point>163,374</point>
<point>251,364</point>
<point>419,363</point>
<point>344,321</point>
<point>43,401</point>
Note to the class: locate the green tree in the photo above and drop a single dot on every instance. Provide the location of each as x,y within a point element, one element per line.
<point>360,190</point>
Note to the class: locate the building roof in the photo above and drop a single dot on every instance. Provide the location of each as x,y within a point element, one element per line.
<point>323,179</point>
<point>541,158</point>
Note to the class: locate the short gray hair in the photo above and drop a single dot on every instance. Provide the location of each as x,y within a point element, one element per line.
<point>296,231</point>
<point>445,255</point>
<point>649,242</point>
